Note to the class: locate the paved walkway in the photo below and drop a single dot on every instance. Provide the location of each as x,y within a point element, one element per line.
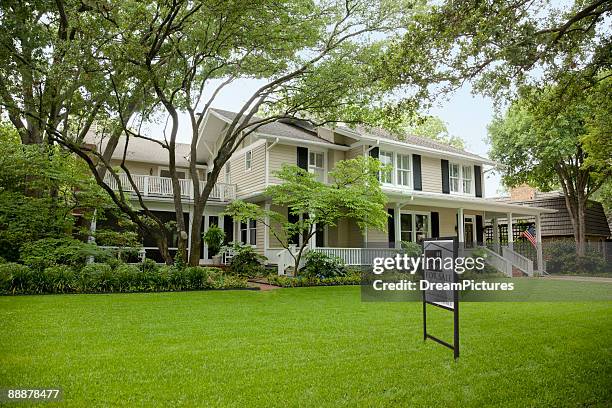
<point>579,278</point>
<point>262,285</point>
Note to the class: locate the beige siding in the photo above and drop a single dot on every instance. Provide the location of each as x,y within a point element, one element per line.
<point>279,155</point>
<point>274,243</point>
<point>431,174</point>
<point>354,152</point>
<point>254,179</point>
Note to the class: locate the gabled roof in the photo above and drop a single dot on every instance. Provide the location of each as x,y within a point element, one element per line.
<point>142,150</point>
<point>303,130</point>
<point>281,129</point>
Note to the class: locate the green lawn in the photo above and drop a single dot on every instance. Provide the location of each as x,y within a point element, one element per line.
<point>302,347</point>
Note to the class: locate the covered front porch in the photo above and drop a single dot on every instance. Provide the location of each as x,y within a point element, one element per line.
<point>422,215</point>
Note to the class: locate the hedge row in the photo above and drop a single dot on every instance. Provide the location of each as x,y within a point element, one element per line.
<point>101,278</point>
<point>352,278</point>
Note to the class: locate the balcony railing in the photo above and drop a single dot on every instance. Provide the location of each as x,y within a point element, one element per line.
<point>153,186</point>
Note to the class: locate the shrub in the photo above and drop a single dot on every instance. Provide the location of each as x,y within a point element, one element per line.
<point>48,252</point>
<point>412,249</point>
<point>561,258</point>
<point>15,278</point>
<point>247,262</point>
<point>149,265</point>
<point>96,277</point>
<point>321,265</point>
<point>214,239</point>
<point>58,279</point>
<point>353,277</point>
<point>127,278</point>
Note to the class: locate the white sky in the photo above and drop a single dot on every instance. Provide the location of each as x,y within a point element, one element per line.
<point>466,116</point>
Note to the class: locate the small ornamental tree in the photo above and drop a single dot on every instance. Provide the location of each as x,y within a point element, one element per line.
<point>354,193</point>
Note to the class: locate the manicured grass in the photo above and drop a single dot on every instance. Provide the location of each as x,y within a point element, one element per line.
<point>302,347</point>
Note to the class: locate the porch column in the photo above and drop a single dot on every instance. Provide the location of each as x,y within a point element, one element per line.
<point>266,230</point>
<point>538,231</point>
<point>495,227</point>
<point>460,233</point>
<point>510,235</point>
<point>397,221</point>
<point>189,226</point>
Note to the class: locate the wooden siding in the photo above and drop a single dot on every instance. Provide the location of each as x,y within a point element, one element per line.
<point>431,174</point>
<point>252,180</point>
<point>279,155</point>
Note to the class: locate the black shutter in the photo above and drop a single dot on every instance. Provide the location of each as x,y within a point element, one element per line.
<point>228,227</point>
<point>374,153</point>
<point>478,181</point>
<point>445,177</point>
<point>435,225</point>
<point>391,227</point>
<point>416,174</point>
<point>479,230</point>
<point>302,158</point>
<point>293,218</point>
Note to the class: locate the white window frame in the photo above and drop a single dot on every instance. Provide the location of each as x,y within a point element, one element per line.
<point>161,168</point>
<point>460,179</point>
<point>248,160</point>
<point>311,168</point>
<point>413,221</point>
<point>463,179</point>
<point>408,170</point>
<point>248,228</point>
<point>391,173</point>
<point>228,173</point>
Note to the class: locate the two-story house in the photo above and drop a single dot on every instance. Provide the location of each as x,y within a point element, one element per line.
<point>433,190</point>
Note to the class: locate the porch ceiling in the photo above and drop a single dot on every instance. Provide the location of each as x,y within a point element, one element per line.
<point>495,208</point>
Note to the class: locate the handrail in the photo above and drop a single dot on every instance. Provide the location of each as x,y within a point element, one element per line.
<point>357,256</point>
<point>519,261</point>
<point>162,187</point>
<point>499,262</point>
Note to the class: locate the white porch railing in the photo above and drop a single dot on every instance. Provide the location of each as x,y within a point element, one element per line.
<point>518,260</point>
<point>162,187</point>
<point>499,262</point>
<point>358,256</point>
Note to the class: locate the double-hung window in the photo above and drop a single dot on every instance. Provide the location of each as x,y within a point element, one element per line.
<point>248,160</point>
<point>248,232</point>
<point>386,158</point>
<point>415,226</point>
<point>467,179</point>
<point>404,172</point>
<point>454,177</point>
<point>316,165</point>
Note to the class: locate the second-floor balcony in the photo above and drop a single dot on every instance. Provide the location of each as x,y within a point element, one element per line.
<point>153,186</point>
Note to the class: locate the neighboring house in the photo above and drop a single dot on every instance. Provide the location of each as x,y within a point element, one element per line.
<point>434,190</point>
<point>558,225</point>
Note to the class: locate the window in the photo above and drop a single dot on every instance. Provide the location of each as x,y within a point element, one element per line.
<point>414,226</point>
<point>406,227</point>
<point>454,176</point>
<point>386,158</point>
<point>316,165</point>
<point>228,171</point>
<point>248,232</point>
<point>404,173</point>
<point>461,178</point>
<point>467,179</point>
<point>248,159</point>
<point>166,173</point>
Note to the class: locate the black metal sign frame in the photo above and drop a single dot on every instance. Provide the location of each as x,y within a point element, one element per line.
<point>455,309</point>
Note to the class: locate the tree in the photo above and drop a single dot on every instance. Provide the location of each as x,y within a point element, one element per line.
<point>355,193</point>
<point>559,138</point>
<point>501,45</point>
<point>434,128</point>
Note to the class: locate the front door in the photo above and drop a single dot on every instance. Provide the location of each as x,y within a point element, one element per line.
<point>469,235</point>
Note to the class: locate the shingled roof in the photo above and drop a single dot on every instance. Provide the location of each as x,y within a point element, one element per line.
<point>560,223</point>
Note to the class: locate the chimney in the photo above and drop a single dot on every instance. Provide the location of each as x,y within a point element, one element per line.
<point>522,193</point>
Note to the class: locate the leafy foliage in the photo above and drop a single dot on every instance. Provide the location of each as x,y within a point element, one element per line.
<point>321,266</point>
<point>48,252</point>
<point>561,258</point>
<point>214,238</point>
<point>246,262</point>
<point>352,277</point>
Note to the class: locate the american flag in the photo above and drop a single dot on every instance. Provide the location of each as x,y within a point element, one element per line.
<point>529,233</point>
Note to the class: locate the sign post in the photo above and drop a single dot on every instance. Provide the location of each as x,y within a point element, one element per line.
<point>438,268</point>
